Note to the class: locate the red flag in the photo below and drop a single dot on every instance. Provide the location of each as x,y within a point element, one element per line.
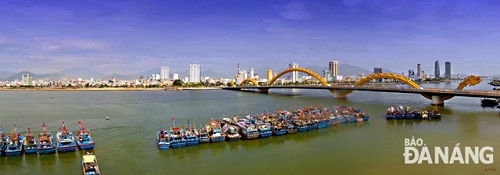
<point>29,131</point>
<point>173,118</point>
<point>43,124</point>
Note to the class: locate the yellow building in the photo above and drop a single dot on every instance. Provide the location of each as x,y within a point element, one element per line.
<point>269,74</point>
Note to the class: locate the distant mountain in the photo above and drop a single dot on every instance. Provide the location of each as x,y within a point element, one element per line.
<point>121,77</point>
<point>5,74</point>
<point>52,77</point>
<point>19,76</point>
<point>146,73</point>
<point>350,70</point>
<point>81,73</point>
<point>210,73</point>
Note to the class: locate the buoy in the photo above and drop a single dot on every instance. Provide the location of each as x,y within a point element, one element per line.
<point>107,118</point>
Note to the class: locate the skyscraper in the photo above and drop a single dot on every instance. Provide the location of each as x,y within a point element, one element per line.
<point>333,67</point>
<point>175,76</point>
<point>447,69</point>
<point>420,73</point>
<point>193,73</point>
<point>436,70</point>
<point>377,70</point>
<point>27,79</point>
<point>251,73</point>
<point>269,74</point>
<point>294,75</point>
<point>164,71</point>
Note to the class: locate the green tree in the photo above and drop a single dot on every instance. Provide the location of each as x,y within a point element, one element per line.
<point>177,83</point>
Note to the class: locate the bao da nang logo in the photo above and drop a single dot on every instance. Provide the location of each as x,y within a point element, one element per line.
<point>416,152</point>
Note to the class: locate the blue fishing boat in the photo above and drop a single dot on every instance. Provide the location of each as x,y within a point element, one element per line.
<point>214,131</point>
<point>264,129</point>
<point>301,125</point>
<point>191,135</point>
<point>30,143</point>
<point>322,123</point>
<point>65,140</point>
<point>365,117</point>
<point>176,138</point>
<point>400,115</point>
<point>84,140</point>
<point>90,165</point>
<point>248,130</point>
<point>3,142</point>
<point>350,119</point>
<point>278,129</point>
<point>46,143</point>
<point>433,114</point>
<point>390,116</point>
<point>418,114</point>
<point>342,119</point>
<point>162,139</point>
<point>15,144</point>
<point>203,135</point>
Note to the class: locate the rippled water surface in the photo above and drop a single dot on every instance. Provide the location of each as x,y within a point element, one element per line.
<point>125,144</point>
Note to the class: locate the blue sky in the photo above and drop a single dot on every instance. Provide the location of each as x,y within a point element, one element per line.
<point>134,36</point>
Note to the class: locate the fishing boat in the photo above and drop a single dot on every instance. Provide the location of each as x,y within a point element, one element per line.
<point>46,143</point>
<point>15,144</point>
<point>350,119</point>
<point>30,143</point>
<point>231,132</point>
<point>203,135</point>
<point>84,140</point>
<point>177,139</point>
<point>418,114</point>
<point>433,114</point>
<point>248,130</point>
<point>3,142</point>
<point>390,116</point>
<point>301,125</point>
<point>400,115</point>
<point>191,135</point>
<point>488,102</point>
<point>90,165</point>
<point>214,131</point>
<point>65,140</point>
<point>264,129</point>
<point>278,128</point>
<point>291,129</point>
<point>163,139</point>
<point>322,123</point>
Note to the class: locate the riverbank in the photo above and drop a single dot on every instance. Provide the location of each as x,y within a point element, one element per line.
<point>110,89</point>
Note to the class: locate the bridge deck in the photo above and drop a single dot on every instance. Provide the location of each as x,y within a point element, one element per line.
<point>430,91</point>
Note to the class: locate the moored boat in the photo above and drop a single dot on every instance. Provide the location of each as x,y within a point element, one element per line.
<point>90,165</point>
<point>214,131</point>
<point>3,142</point>
<point>15,144</point>
<point>203,135</point>
<point>231,133</point>
<point>84,140</point>
<point>278,128</point>
<point>264,129</point>
<point>46,143</point>
<point>30,143</point>
<point>162,139</point>
<point>191,135</point>
<point>65,140</point>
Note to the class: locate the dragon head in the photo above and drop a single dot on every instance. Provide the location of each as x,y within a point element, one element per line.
<point>472,80</point>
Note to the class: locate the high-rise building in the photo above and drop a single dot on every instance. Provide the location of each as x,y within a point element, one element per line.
<point>164,71</point>
<point>193,73</point>
<point>294,75</point>
<point>411,74</point>
<point>327,75</point>
<point>175,76</point>
<point>420,73</point>
<point>251,73</point>
<point>241,76</point>
<point>333,67</point>
<point>269,74</point>
<point>27,79</point>
<point>436,69</point>
<point>447,69</point>
<point>377,70</point>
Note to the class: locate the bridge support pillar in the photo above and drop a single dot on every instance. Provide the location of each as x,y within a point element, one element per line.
<point>338,94</point>
<point>263,90</point>
<point>436,101</point>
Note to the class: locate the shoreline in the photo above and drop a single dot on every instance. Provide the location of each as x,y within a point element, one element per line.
<point>105,89</point>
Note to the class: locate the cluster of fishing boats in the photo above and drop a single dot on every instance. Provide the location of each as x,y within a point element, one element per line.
<point>45,142</point>
<point>408,113</point>
<point>257,126</point>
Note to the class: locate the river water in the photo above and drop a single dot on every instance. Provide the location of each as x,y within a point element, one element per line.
<point>125,144</point>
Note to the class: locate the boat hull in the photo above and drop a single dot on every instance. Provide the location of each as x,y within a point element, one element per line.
<point>85,146</point>
<point>215,139</point>
<point>163,145</point>
<point>265,134</point>
<point>30,150</point>
<point>47,151</point>
<point>63,149</point>
<point>13,153</point>
<point>279,132</point>
<point>250,136</point>
<point>204,140</point>
<point>390,117</point>
<point>192,141</point>
<point>322,124</point>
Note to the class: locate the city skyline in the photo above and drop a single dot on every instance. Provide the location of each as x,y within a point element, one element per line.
<point>129,37</point>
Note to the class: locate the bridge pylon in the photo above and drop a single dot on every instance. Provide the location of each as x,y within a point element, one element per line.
<point>339,94</point>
